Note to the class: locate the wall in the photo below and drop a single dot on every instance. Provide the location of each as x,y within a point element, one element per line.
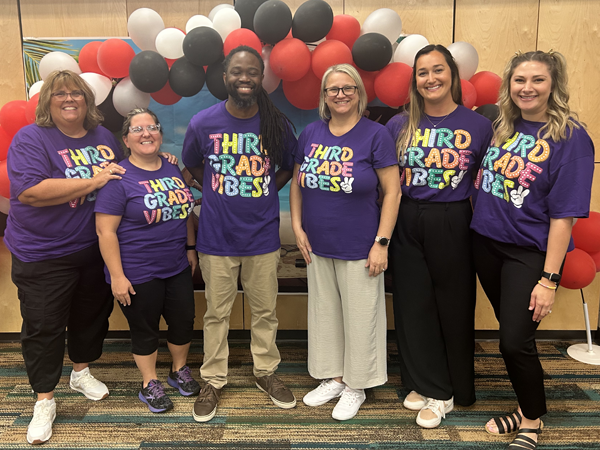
<point>497,28</point>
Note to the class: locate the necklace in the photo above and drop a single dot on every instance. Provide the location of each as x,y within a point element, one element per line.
<point>435,125</point>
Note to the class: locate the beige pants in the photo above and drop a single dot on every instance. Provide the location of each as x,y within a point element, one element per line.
<point>347,328</point>
<point>259,281</point>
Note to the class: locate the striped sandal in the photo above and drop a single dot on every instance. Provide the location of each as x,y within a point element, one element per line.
<point>521,441</point>
<point>508,424</point>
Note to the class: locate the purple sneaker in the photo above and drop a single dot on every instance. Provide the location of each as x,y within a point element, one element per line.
<point>182,380</point>
<point>154,396</point>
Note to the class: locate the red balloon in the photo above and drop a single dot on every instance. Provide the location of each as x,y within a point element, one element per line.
<point>4,181</point>
<point>166,96</point>
<point>368,79</point>
<point>114,57</point>
<point>469,94</point>
<point>12,116</point>
<point>596,258</point>
<point>88,58</point>
<point>170,62</point>
<point>345,28</point>
<point>241,36</point>
<point>579,270</point>
<point>290,59</point>
<point>304,93</point>
<point>5,141</point>
<point>30,108</point>
<point>329,53</point>
<point>487,84</point>
<point>586,233</point>
<point>392,84</point>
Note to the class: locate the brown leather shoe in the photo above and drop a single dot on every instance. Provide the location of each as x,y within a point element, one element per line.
<point>279,393</point>
<point>205,406</point>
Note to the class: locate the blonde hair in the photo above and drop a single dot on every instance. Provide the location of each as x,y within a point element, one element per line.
<point>416,107</point>
<point>560,116</point>
<point>70,80</point>
<point>324,111</point>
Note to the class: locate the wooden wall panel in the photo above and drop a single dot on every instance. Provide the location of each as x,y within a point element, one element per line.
<point>74,18</point>
<point>572,28</point>
<point>497,29</point>
<point>431,18</point>
<point>10,311</point>
<point>12,79</point>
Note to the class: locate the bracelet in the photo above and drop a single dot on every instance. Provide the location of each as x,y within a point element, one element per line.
<point>552,288</point>
<point>190,247</point>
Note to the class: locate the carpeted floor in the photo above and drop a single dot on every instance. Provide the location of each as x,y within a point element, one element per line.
<point>247,420</point>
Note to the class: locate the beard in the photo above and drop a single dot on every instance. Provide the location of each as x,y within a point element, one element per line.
<point>242,102</point>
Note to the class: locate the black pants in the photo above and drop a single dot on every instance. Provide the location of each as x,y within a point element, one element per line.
<point>508,274</point>
<point>172,298</point>
<point>434,298</point>
<point>59,294</point>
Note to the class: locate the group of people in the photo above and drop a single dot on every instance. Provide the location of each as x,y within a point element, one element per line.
<point>440,193</point>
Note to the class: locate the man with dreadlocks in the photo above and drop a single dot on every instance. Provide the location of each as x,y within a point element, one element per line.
<point>232,149</point>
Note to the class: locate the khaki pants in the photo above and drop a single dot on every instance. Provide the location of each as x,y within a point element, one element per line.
<point>259,280</point>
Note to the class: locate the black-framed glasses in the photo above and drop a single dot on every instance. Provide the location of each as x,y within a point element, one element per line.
<point>62,95</point>
<point>152,129</point>
<point>334,91</point>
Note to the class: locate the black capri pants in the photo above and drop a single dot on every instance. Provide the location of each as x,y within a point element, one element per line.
<point>508,273</point>
<point>172,298</point>
<point>71,293</point>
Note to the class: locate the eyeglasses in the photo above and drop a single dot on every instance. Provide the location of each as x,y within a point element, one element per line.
<point>62,95</point>
<point>152,129</point>
<point>334,91</point>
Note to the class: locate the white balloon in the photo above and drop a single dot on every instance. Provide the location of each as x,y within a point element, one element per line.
<point>35,88</point>
<point>270,81</point>
<point>143,26</point>
<point>127,97</point>
<point>4,205</point>
<point>169,43</point>
<point>408,48</point>
<point>99,84</point>
<point>384,21</point>
<point>198,21</point>
<point>466,58</point>
<point>225,21</point>
<point>57,61</point>
<point>216,9</point>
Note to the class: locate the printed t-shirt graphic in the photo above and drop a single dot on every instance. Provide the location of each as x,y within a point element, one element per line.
<point>37,153</point>
<point>154,206</point>
<point>527,180</point>
<point>439,162</point>
<point>339,185</point>
<point>239,215</point>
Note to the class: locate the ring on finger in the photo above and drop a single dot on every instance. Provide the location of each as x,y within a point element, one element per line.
<point>110,170</point>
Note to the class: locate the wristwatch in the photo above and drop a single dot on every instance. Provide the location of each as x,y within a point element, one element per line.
<point>551,276</point>
<point>382,240</point>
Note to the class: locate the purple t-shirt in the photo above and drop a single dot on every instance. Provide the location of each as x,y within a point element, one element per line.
<point>36,233</point>
<point>339,185</point>
<point>239,215</point>
<point>155,206</point>
<point>441,160</point>
<point>526,181</point>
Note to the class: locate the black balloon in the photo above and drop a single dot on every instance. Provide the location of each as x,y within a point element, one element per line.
<point>491,111</point>
<point>113,121</point>
<point>247,9</point>
<point>272,21</point>
<point>214,80</point>
<point>202,46</point>
<point>372,51</point>
<point>312,21</point>
<point>148,71</point>
<point>185,78</point>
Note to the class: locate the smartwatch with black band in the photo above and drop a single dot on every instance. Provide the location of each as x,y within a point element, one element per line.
<point>555,277</point>
<point>382,240</point>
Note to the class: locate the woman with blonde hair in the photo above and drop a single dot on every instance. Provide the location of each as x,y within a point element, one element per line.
<point>534,179</point>
<point>440,145</point>
<point>343,235</point>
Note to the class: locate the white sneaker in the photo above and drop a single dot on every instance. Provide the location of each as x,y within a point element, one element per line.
<point>414,401</point>
<point>40,427</point>
<point>432,413</point>
<point>348,405</point>
<point>85,383</point>
<point>327,390</point>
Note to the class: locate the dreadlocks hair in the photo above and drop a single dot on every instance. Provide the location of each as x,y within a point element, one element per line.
<point>275,127</point>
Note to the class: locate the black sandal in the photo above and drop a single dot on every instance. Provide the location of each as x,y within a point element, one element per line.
<point>512,424</point>
<point>521,441</point>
